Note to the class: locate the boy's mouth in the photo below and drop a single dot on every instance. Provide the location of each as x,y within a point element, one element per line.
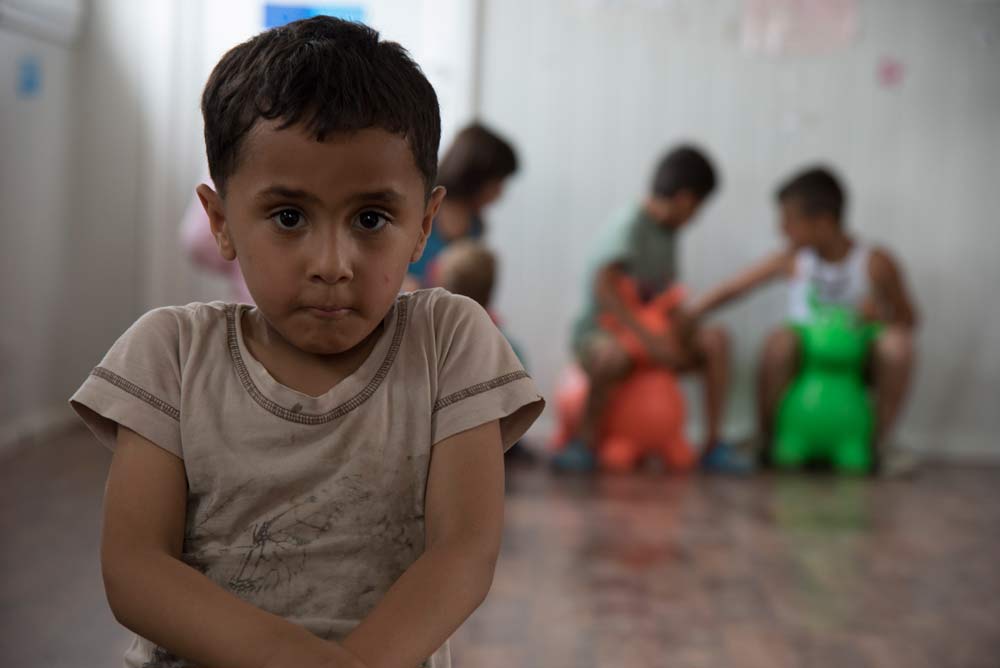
<point>330,312</point>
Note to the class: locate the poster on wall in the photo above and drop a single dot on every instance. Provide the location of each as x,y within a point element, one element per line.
<point>798,27</point>
<point>278,14</point>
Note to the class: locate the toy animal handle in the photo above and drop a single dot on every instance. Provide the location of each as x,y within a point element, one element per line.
<point>670,298</point>
<point>654,316</point>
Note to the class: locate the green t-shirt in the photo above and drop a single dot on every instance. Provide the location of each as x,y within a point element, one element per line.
<point>642,248</point>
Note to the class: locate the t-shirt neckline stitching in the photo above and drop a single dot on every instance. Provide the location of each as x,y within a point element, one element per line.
<point>299,417</point>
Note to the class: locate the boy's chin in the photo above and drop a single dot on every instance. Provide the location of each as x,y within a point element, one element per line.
<point>326,343</point>
<point>329,346</point>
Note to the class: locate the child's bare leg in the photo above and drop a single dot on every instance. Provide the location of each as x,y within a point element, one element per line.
<point>894,357</point>
<point>606,364</point>
<point>712,346</point>
<point>778,363</point>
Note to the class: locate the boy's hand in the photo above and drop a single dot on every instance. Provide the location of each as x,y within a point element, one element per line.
<point>667,351</point>
<point>310,654</point>
<point>685,322</point>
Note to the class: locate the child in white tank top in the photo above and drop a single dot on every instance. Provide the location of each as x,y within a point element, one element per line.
<point>823,262</point>
<point>844,283</point>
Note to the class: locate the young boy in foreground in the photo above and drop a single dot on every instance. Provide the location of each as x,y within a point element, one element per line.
<point>317,480</point>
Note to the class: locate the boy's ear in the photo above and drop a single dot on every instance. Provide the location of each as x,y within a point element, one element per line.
<point>212,203</point>
<point>430,212</point>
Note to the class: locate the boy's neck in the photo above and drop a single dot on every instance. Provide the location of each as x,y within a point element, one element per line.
<point>302,371</point>
<point>659,210</point>
<point>835,248</point>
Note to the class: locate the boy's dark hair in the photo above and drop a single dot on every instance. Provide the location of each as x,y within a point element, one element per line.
<point>817,191</point>
<point>684,168</point>
<point>327,74</point>
<point>476,156</point>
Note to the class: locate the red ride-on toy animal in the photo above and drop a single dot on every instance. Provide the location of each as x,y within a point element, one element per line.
<point>645,414</point>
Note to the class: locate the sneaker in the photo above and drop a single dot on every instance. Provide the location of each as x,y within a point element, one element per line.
<point>575,457</point>
<point>724,458</point>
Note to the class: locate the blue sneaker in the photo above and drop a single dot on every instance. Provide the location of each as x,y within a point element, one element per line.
<point>724,458</point>
<point>575,457</point>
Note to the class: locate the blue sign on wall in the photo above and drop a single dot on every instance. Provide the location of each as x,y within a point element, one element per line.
<point>278,15</point>
<point>29,76</point>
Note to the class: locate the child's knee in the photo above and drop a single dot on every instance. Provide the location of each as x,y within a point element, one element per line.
<point>713,341</point>
<point>895,347</point>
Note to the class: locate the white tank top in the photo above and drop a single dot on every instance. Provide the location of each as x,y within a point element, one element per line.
<point>844,283</point>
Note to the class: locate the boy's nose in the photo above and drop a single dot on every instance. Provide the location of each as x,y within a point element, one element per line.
<point>332,258</point>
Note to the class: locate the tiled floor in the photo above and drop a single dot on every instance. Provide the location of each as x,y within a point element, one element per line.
<point>630,571</point>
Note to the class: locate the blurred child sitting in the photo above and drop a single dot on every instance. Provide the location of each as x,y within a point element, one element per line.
<point>469,268</point>
<point>473,172</point>
<point>316,480</point>
<point>199,242</point>
<point>641,244</point>
<point>822,259</point>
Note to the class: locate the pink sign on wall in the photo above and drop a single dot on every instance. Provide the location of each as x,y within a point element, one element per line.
<point>798,27</point>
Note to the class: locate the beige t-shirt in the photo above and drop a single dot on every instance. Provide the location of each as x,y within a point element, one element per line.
<point>307,507</point>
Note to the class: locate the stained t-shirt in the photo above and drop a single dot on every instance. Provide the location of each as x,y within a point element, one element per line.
<point>307,507</point>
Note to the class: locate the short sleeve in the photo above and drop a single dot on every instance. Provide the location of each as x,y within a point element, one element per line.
<point>137,384</point>
<point>615,244</point>
<point>480,379</point>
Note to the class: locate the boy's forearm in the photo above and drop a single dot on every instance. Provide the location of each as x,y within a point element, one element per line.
<point>424,607</point>
<point>743,284</point>
<point>714,299</point>
<point>173,605</point>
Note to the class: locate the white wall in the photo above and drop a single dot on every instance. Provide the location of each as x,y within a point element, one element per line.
<point>95,174</point>
<point>593,92</point>
<point>34,193</point>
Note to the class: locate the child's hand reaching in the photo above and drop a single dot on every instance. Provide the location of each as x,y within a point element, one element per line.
<point>668,350</point>
<point>685,322</point>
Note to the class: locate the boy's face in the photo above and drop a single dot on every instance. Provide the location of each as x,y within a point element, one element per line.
<point>323,231</point>
<point>675,211</point>
<point>798,227</point>
<point>685,205</point>
<point>490,193</point>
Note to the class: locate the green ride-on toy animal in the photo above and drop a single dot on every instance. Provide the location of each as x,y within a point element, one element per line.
<point>826,415</point>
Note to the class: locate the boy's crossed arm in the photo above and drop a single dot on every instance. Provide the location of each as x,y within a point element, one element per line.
<point>464,521</point>
<point>154,593</point>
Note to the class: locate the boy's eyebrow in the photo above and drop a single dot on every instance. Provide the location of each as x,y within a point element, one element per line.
<point>287,193</point>
<point>386,196</point>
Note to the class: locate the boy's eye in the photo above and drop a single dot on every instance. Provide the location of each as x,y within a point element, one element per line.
<point>288,219</point>
<point>371,221</point>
